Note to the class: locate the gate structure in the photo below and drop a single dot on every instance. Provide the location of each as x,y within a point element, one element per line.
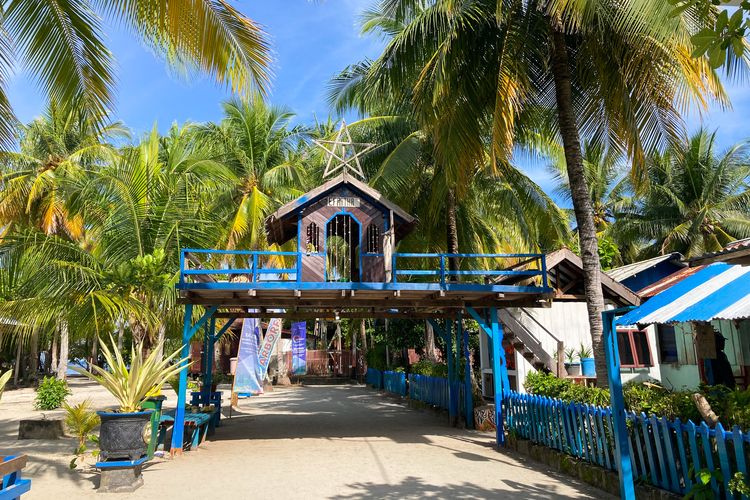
<point>344,266</point>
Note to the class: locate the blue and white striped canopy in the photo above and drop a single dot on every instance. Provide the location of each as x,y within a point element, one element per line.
<point>720,291</point>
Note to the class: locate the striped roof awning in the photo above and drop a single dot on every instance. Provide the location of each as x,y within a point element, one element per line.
<point>719,291</point>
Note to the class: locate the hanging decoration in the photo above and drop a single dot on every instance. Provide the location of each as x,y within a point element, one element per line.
<point>299,348</point>
<point>342,153</point>
<point>246,377</point>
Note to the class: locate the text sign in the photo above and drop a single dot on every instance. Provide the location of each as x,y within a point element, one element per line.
<point>343,201</point>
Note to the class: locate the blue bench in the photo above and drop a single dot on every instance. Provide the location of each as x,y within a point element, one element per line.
<point>13,485</point>
<point>199,423</point>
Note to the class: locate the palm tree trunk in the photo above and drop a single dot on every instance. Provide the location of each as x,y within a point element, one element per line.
<point>53,353</point>
<point>582,205</point>
<point>120,333</point>
<point>452,232</point>
<point>363,343</point>
<point>34,356</point>
<point>95,351</point>
<point>160,340</point>
<point>19,360</point>
<point>429,342</point>
<point>62,364</point>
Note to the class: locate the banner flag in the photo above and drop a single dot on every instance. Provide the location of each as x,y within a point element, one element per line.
<point>246,375</point>
<point>273,334</point>
<point>299,348</point>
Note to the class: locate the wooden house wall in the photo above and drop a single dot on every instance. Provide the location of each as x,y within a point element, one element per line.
<point>313,266</point>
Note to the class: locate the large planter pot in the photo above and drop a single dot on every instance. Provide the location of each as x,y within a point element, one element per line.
<point>588,368</point>
<point>122,435</point>
<point>573,369</point>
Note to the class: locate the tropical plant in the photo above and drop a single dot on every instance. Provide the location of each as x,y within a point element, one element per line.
<point>696,200</point>
<point>132,385</point>
<point>543,71</point>
<point>570,355</point>
<point>51,394</point>
<point>81,421</point>
<point>62,45</point>
<point>584,351</point>
<point>4,378</point>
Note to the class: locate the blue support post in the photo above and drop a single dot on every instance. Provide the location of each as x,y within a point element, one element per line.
<point>622,449</point>
<point>499,374</point>
<point>224,329</point>
<point>208,365</point>
<point>452,396</point>
<point>468,397</point>
<point>178,430</point>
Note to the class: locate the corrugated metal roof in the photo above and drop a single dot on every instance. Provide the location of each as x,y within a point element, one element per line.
<point>625,272</point>
<point>718,291</point>
<point>667,282</point>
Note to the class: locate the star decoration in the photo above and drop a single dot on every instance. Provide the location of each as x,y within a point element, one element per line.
<point>344,151</point>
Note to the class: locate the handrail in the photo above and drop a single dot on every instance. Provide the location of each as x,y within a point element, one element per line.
<point>193,267</point>
<point>541,325</point>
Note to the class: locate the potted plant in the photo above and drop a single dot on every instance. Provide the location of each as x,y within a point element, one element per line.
<point>588,368</point>
<point>122,429</point>
<point>573,368</point>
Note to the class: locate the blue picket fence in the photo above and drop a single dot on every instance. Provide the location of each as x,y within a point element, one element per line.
<point>374,378</point>
<point>430,390</point>
<point>395,382</point>
<point>663,452</point>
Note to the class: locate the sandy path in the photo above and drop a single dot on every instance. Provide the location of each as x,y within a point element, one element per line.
<point>316,442</point>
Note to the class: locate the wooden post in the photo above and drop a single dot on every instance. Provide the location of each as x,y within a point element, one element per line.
<point>499,374</point>
<point>561,359</point>
<point>208,363</point>
<point>468,393</point>
<point>617,401</point>
<point>178,429</point>
<point>452,396</point>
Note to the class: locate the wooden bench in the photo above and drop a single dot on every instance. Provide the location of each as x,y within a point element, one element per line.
<point>13,485</point>
<point>198,423</point>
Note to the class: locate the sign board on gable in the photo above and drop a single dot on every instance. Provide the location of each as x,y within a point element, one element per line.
<point>344,201</point>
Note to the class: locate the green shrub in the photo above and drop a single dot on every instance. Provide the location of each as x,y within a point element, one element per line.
<point>376,357</point>
<point>429,368</point>
<point>51,394</point>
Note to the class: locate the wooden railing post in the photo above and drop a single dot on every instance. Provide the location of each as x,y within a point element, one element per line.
<point>561,372</point>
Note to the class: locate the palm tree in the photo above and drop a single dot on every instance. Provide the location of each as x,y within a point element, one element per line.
<point>56,150</point>
<point>62,45</point>
<point>263,155</point>
<point>697,199</point>
<point>615,71</point>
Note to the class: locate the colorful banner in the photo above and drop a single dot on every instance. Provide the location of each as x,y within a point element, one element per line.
<point>299,348</point>
<point>273,334</point>
<point>247,378</point>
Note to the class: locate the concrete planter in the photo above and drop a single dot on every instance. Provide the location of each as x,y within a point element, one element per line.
<point>484,418</point>
<point>41,429</point>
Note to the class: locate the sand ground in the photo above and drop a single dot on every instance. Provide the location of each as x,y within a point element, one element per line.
<point>304,442</point>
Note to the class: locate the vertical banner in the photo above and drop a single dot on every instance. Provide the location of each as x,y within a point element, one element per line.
<point>299,348</point>
<point>273,334</point>
<point>246,378</point>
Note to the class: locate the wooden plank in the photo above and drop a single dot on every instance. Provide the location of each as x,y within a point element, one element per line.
<point>658,446</point>
<point>739,451</point>
<point>721,448</point>
<point>648,445</point>
<point>12,465</point>
<point>684,464</point>
<point>708,453</point>
<point>666,435</point>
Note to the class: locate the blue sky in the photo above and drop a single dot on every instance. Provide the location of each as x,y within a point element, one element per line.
<point>312,41</point>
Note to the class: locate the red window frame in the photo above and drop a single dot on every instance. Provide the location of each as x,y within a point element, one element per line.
<point>637,362</point>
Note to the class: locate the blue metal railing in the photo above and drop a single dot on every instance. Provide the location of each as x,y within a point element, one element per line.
<point>267,266</point>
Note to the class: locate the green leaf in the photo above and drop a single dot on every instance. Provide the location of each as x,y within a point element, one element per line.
<point>739,46</point>
<point>716,56</point>
<point>704,476</point>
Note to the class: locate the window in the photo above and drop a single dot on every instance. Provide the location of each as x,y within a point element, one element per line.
<point>634,349</point>
<point>667,344</point>
<point>313,238</point>
<point>372,244</point>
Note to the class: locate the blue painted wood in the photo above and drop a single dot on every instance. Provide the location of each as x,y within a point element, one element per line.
<point>468,399</point>
<point>500,373</point>
<point>179,425</point>
<point>669,456</point>
<point>596,416</point>
<point>13,485</point>
<point>658,448</point>
<point>120,464</point>
<point>692,432</point>
<point>704,432</point>
<point>648,444</point>
<point>683,461</point>
<point>739,450</point>
<point>721,448</point>
<point>617,403</point>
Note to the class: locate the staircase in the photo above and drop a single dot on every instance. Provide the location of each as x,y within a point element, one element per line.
<point>528,345</point>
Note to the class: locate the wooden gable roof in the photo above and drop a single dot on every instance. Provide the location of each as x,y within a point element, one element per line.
<point>281,226</point>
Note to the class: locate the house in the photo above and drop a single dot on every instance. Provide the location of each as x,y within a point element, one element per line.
<point>535,337</point>
<point>686,313</point>
<point>640,274</point>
